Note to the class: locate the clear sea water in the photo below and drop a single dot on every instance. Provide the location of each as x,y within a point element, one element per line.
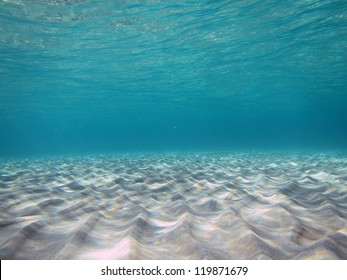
<point>86,77</point>
<point>173,129</point>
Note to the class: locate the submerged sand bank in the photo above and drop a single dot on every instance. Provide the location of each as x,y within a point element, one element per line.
<point>193,206</point>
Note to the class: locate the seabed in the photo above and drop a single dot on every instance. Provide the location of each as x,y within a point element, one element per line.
<point>175,206</point>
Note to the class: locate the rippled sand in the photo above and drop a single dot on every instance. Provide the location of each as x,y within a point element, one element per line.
<point>203,206</point>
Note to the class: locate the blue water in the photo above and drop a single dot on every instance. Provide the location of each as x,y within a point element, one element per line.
<point>85,77</point>
<point>173,129</point>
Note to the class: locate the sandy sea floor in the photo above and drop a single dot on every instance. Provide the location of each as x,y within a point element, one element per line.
<point>183,206</point>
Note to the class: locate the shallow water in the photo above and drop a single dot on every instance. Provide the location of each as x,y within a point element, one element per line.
<point>173,129</point>
<point>104,76</point>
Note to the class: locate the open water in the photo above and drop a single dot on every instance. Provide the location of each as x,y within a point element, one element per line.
<point>173,129</point>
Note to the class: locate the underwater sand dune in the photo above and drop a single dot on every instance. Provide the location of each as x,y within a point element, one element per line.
<point>187,206</point>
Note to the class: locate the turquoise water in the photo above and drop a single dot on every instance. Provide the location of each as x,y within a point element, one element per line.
<point>173,129</point>
<point>83,77</point>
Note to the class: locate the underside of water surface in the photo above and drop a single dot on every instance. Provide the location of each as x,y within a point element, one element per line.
<point>173,129</point>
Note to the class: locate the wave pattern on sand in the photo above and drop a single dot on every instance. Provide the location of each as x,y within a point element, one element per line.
<point>193,206</point>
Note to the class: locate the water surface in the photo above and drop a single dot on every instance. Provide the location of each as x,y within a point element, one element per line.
<point>106,76</point>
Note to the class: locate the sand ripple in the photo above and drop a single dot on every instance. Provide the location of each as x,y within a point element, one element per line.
<point>187,206</point>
